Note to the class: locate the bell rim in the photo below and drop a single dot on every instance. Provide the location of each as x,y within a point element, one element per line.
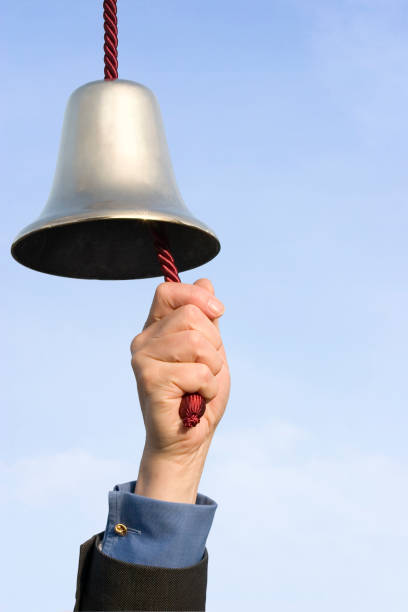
<point>40,226</point>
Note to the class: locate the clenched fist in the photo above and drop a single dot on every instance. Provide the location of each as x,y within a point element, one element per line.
<point>179,351</point>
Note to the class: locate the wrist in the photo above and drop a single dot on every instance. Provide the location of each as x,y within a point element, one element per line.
<point>168,478</point>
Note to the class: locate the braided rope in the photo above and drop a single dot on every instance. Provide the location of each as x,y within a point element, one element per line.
<point>192,405</point>
<point>166,259</point>
<point>110,24</point>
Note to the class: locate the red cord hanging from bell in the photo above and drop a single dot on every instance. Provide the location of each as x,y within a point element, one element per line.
<point>192,405</point>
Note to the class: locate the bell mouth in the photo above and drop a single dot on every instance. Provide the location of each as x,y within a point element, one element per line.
<point>111,249</point>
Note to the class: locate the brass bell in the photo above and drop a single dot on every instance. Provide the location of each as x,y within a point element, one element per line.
<point>113,178</point>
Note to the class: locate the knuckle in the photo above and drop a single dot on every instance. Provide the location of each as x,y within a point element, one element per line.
<point>196,341</point>
<point>191,313</point>
<point>136,342</point>
<point>206,284</point>
<point>161,291</point>
<point>205,373</point>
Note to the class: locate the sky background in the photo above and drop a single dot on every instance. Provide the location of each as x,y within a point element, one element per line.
<point>286,122</point>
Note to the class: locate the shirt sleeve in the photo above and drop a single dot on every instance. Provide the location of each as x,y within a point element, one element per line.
<point>153,532</point>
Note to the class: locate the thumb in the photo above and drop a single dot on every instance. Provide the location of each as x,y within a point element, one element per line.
<point>206,284</point>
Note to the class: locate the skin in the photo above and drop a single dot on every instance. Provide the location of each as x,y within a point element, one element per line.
<point>179,351</point>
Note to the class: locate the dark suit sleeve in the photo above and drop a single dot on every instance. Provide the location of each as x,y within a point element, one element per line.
<point>106,584</point>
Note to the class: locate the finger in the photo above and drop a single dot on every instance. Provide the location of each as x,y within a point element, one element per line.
<point>187,317</point>
<point>206,284</point>
<point>170,296</point>
<point>191,378</point>
<point>189,346</point>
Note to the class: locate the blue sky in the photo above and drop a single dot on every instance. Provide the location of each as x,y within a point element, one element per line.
<point>286,122</point>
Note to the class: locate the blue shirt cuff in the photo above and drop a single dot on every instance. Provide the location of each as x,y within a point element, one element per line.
<point>159,533</point>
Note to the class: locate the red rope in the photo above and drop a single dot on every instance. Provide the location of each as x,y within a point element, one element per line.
<point>192,405</point>
<point>110,24</point>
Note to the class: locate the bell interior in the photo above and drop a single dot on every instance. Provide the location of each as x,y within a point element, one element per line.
<point>112,249</point>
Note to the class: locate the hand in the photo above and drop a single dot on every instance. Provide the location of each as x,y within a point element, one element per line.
<point>179,351</point>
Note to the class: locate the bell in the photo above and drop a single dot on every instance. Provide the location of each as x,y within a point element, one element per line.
<point>113,183</point>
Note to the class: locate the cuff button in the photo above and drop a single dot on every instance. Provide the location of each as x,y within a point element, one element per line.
<point>121,529</point>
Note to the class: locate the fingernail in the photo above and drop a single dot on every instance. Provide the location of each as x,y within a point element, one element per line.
<point>215,306</point>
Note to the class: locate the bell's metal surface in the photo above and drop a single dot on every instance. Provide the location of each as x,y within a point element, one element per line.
<point>113,178</point>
